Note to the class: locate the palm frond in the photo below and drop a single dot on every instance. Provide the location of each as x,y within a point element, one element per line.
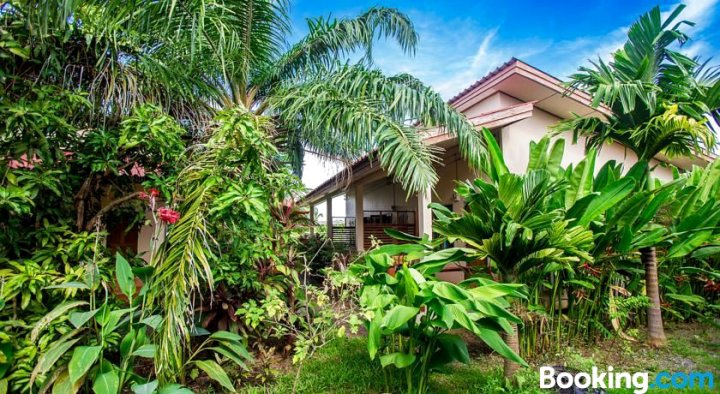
<point>330,39</point>
<point>351,111</point>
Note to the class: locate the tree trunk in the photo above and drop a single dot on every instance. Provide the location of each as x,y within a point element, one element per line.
<point>511,339</point>
<point>656,333</point>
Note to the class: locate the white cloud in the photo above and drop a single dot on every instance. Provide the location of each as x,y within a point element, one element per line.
<point>698,11</point>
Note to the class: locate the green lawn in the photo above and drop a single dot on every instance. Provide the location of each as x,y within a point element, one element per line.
<point>344,367</point>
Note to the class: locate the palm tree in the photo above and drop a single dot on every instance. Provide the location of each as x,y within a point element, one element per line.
<point>515,222</point>
<point>658,99</point>
<point>195,57</point>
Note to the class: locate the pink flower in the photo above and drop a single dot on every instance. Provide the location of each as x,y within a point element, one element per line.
<point>137,170</point>
<point>168,215</point>
<point>143,196</point>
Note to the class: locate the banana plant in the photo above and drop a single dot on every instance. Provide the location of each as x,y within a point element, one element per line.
<point>410,312</point>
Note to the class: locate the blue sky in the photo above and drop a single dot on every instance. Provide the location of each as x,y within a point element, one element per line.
<point>460,41</point>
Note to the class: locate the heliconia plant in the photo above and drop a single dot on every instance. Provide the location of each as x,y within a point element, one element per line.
<point>410,312</point>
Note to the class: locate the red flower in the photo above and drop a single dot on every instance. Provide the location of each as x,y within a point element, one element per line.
<point>143,196</point>
<point>154,192</point>
<point>168,215</point>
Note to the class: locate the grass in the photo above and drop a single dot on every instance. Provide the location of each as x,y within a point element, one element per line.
<point>344,367</point>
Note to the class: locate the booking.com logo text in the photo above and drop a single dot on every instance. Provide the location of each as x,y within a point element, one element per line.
<point>639,381</point>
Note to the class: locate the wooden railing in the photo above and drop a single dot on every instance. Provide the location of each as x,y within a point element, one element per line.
<point>375,223</point>
<point>343,232</point>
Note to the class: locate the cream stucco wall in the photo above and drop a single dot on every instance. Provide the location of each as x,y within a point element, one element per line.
<point>493,102</point>
<point>382,196</point>
<point>145,237</point>
<point>516,137</point>
<point>454,169</point>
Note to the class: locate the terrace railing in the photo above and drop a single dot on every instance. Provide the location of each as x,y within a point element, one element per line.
<point>374,222</point>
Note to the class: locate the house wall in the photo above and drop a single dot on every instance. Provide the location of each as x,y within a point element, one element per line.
<point>516,146</point>
<point>493,102</point>
<point>452,169</point>
<point>145,237</point>
<point>383,196</point>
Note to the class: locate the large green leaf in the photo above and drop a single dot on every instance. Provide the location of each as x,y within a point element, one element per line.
<point>436,261</point>
<point>538,154</point>
<point>60,310</point>
<point>69,285</point>
<point>216,372</point>
<point>63,385</point>
<point>83,358</point>
<point>174,388</point>
<point>689,244</point>
<point>399,360</point>
<point>147,351</point>
<point>496,343</point>
<point>456,313</point>
<point>107,383</point>
<point>152,321</point>
<point>233,343</point>
<point>585,183</point>
<point>110,318</point>
<point>497,162</point>
<point>231,355</point>
<point>401,235</point>
<point>608,197</point>
<point>398,316</point>
<point>556,155</point>
<point>80,318</point>
<point>490,309</point>
<point>7,356</point>
<point>450,292</point>
<point>48,359</point>
<point>374,334</point>
<point>454,347</point>
<point>146,388</point>
<point>125,276</point>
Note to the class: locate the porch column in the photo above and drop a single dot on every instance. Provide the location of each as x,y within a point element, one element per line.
<point>312,219</point>
<point>424,219</point>
<point>328,215</point>
<point>359,221</point>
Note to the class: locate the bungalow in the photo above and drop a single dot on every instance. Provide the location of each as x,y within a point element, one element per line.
<point>518,103</point>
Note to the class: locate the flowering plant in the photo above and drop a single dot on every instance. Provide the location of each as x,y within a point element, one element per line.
<point>168,215</point>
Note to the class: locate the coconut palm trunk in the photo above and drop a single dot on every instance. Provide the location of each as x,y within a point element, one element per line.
<point>656,333</point>
<point>512,340</point>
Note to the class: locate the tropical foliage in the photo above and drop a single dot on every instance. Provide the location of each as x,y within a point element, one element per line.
<point>152,241</point>
<point>410,312</point>
<point>184,122</point>
<point>658,100</point>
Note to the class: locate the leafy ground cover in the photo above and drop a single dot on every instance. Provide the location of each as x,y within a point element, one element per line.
<point>343,365</point>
